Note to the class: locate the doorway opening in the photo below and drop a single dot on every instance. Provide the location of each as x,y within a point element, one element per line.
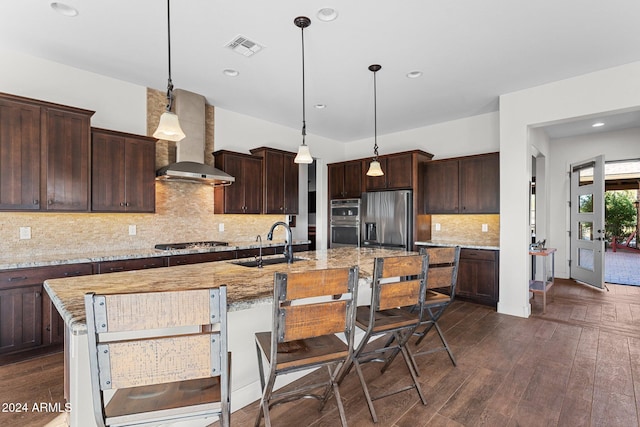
<point>622,208</point>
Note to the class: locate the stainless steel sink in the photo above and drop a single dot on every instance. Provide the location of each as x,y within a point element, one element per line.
<point>266,261</point>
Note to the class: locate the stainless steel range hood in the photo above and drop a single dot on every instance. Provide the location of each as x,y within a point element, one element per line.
<point>189,165</point>
<point>195,172</point>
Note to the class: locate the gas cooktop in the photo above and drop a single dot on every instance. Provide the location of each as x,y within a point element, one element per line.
<point>190,245</point>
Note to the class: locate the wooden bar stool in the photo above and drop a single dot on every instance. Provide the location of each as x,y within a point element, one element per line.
<point>309,309</point>
<point>398,282</point>
<point>161,356</point>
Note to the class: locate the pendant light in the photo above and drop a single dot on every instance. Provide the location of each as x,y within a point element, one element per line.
<point>169,127</point>
<point>304,155</point>
<point>374,167</point>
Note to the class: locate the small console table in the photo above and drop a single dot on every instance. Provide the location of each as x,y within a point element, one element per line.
<point>542,286</point>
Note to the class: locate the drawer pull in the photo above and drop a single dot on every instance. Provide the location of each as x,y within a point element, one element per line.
<point>149,266</point>
<point>17,278</point>
<point>72,273</point>
<point>112,269</point>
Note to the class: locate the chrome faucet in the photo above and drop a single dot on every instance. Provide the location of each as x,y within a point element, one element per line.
<point>288,244</point>
<point>259,257</point>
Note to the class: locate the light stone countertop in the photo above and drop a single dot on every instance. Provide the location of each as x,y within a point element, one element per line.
<point>9,263</point>
<point>246,286</point>
<point>493,246</point>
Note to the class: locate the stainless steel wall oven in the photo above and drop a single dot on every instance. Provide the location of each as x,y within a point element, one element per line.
<point>345,223</point>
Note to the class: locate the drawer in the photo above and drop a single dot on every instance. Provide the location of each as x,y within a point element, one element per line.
<point>248,253</point>
<point>203,257</point>
<point>37,275</point>
<point>131,264</point>
<point>479,254</point>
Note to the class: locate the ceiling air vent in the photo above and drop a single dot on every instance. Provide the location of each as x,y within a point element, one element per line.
<point>244,46</point>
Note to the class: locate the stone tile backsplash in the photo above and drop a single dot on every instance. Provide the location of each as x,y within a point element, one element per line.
<point>467,228</point>
<point>184,212</point>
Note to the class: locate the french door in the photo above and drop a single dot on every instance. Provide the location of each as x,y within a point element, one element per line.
<point>587,221</point>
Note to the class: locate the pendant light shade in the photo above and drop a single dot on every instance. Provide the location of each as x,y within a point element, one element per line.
<point>374,167</point>
<point>169,127</point>
<point>304,155</point>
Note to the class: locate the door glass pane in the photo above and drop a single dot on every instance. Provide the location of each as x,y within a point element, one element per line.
<point>585,176</point>
<point>585,258</point>
<point>585,203</point>
<point>585,231</point>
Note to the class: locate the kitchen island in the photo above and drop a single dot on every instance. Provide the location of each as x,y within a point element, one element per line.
<point>249,291</point>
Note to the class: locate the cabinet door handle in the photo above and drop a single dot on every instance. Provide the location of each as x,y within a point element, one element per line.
<point>72,273</point>
<point>36,201</point>
<point>49,202</point>
<point>48,328</point>
<point>38,294</point>
<point>121,203</point>
<point>126,204</point>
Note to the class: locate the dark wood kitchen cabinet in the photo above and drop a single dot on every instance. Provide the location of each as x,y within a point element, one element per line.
<point>478,274</point>
<point>21,318</point>
<point>398,173</point>
<point>245,194</point>
<point>19,155</point>
<point>104,267</point>
<point>201,257</point>
<point>280,175</point>
<point>68,159</point>
<point>466,185</point>
<point>45,155</point>
<point>28,319</point>
<point>122,172</point>
<point>345,180</point>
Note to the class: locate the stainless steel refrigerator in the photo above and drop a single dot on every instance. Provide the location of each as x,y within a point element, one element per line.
<point>386,219</point>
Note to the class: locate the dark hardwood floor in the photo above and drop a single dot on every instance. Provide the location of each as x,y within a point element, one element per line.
<point>576,365</point>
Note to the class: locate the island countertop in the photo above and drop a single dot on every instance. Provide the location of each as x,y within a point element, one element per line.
<point>246,286</point>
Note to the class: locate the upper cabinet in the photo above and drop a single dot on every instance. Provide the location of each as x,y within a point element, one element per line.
<point>123,172</point>
<point>467,185</point>
<point>245,194</point>
<point>280,175</point>
<point>45,155</point>
<point>398,173</point>
<point>19,155</point>
<point>345,180</point>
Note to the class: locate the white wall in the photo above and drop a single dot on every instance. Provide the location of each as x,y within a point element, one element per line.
<point>118,105</point>
<point>591,94</point>
<point>620,145</point>
<point>463,137</point>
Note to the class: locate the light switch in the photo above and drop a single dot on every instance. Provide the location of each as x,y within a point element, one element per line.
<point>25,233</point>
<point>485,228</point>
<point>437,226</point>
<point>132,230</point>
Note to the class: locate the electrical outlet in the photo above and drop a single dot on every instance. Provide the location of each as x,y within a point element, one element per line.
<point>133,230</point>
<point>25,233</point>
<point>437,226</point>
<point>485,228</point>
<point>221,227</point>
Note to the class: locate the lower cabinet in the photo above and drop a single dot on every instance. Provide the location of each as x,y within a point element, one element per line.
<point>21,318</point>
<point>478,274</point>
<point>130,264</point>
<point>201,257</point>
<point>28,319</point>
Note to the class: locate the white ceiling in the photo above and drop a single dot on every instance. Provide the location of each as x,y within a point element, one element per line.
<point>469,51</point>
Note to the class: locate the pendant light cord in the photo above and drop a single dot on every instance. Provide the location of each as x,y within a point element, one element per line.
<point>304,122</point>
<point>375,117</point>
<point>169,83</point>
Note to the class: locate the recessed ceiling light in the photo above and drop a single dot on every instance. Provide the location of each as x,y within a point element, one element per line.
<point>414,74</point>
<point>64,9</point>
<point>597,125</point>
<point>327,14</point>
<point>231,72</point>
<point>320,106</point>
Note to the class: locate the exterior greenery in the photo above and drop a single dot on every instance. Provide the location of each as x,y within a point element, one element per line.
<point>620,213</point>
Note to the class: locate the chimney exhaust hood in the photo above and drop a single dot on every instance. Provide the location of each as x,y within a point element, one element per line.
<point>190,166</point>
